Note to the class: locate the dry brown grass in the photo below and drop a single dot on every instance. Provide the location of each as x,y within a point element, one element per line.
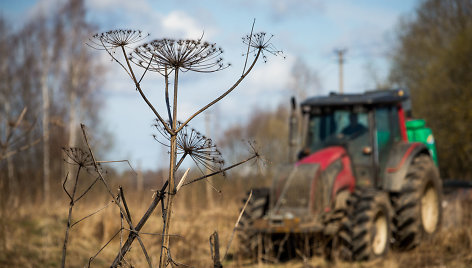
<point>36,233</point>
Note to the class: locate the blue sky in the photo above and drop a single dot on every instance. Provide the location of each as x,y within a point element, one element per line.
<point>309,30</point>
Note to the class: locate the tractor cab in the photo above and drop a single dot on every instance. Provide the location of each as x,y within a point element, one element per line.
<point>366,125</point>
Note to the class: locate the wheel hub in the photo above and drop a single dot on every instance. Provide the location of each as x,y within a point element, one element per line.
<point>379,241</point>
<point>429,210</point>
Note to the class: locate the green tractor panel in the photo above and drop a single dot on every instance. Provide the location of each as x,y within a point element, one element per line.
<point>366,180</point>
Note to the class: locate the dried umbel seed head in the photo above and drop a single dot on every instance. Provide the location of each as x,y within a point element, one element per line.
<point>190,142</point>
<point>261,42</point>
<point>143,57</point>
<point>201,149</point>
<point>185,55</point>
<point>79,157</point>
<point>116,38</point>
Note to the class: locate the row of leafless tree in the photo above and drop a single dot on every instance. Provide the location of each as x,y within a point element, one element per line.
<point>46,83</point>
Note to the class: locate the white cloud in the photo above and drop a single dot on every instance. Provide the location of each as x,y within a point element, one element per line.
<point>272,76</point>
<point>135,6</point>
<point>144,15</point>
<point>355,14</point>
<point>179,22</point>
<point>283,8</point>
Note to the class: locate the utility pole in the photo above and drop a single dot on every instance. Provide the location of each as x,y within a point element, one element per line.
<point>340,53</point>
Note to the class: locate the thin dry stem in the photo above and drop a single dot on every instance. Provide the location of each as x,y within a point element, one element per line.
<point>119,161</point>
<point>91,214</point>
<point>104,246</point>
<point>69,218</point>
<point>132,235</point>
<point>248,47</point>
<point>236,225</point>
<point>122,195</point>
<point>97,169</point>
<point>138,86</point>
<point>87,190</point>
<point>220,171</point>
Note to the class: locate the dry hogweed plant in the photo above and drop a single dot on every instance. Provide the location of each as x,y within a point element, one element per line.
<point>80,158</point>
<point>170,58</point>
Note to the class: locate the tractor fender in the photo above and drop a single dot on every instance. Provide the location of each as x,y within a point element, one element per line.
<point>399,160</point>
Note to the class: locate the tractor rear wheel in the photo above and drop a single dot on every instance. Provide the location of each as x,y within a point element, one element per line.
<point>418,206</point>
<point>256,209</point>
<point>367,232</point>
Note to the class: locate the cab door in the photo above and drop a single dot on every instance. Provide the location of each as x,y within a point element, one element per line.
<point>387,135</point>
<point>360,149</point>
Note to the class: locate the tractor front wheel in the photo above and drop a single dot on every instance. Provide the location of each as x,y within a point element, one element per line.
<point>367,232</point>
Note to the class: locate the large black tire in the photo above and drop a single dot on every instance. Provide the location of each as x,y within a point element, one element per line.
<point>256,209</point>
<point>367,231</point>
<point>418,209</point>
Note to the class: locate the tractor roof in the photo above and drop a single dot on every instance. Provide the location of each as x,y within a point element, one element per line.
<point>371,98</point>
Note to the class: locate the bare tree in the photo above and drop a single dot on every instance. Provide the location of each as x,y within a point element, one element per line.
<point>44,76</point>
<point>75,64</point>
<point>16,127</point>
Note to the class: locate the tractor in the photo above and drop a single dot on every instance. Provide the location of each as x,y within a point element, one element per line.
<point>365,180</point>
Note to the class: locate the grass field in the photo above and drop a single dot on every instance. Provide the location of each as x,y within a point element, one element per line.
<point>33,235</point>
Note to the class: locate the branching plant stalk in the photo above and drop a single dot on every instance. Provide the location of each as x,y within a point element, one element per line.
<point>69,218</point>
<point>172,170</point>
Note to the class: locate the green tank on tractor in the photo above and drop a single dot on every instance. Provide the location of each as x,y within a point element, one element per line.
<point>365,180</point>
<point>418,132</point>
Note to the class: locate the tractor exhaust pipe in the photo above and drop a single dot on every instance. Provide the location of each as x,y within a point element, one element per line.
<point>293,131</point>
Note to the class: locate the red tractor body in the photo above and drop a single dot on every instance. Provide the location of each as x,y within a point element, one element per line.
<point>356,158</point>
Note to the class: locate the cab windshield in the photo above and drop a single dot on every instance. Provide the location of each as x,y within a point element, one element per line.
<point>335,127</point>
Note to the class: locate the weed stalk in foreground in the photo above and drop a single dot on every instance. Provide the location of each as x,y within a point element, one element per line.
<point>170,58</point>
